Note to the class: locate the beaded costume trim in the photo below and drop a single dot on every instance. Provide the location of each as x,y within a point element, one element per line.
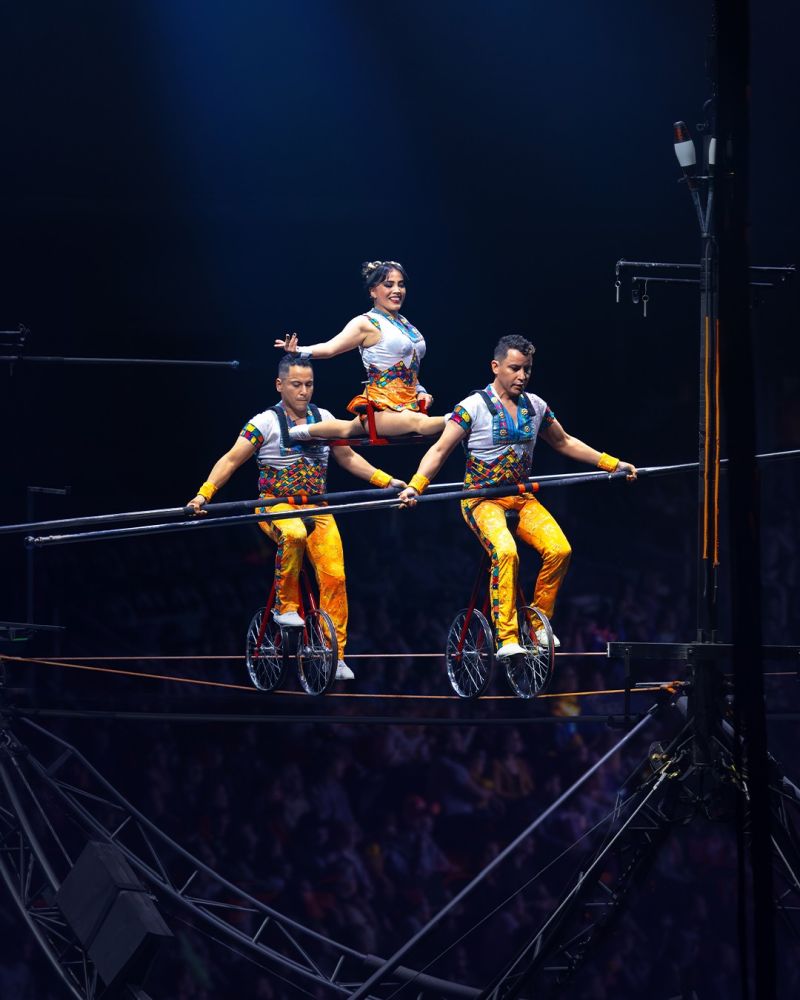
<point>405,374</point>
<point>303,476</point>
<point>508,468</point>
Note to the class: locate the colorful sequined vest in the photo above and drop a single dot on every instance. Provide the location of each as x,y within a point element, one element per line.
<point>307,475</point>
<point>508,467</point>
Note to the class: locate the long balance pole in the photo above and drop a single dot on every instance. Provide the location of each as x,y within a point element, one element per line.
<point>311,512</point>
<point>231,506</point>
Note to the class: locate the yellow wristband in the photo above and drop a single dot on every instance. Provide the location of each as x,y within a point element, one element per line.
<point>380,478</point>
<point>608,463</point>
<point>419,483</point>
<point>207,490</point>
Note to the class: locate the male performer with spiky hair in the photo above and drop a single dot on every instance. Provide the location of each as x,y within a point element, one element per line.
<point>286,469</point>
<point>499,426</point>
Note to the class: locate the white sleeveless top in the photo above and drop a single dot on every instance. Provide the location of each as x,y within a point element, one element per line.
<point>491,436</point>
<point>400,341</point>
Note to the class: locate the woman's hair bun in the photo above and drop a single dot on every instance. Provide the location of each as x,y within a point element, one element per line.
<point>374,271</point>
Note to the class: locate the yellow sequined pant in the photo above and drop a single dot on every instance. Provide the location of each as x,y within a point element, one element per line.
<point>539,529</point>
<point>324,548</point>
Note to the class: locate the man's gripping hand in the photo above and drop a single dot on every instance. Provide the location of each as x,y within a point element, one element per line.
<point>409,496</point>
<point>198,503</point>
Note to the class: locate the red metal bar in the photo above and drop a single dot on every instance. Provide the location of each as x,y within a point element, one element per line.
<point>473,600</point>
<point>267,608</point>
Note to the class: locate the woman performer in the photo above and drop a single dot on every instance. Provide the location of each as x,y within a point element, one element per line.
<point>391,349</point>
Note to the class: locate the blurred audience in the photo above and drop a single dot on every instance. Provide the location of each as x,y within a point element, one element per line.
<point>363,832</point>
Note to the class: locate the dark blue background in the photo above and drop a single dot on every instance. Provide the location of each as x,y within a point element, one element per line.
<point>192,179</point>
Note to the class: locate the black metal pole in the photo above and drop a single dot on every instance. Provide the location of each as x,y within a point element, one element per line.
<point>708,441</point>
<point>234,718</point>
<point>230,506</point>
<point>529,486</point>
<point>783,269</point>
<point>157,362</point>
<point>736,378</point>
<point>213,510</point>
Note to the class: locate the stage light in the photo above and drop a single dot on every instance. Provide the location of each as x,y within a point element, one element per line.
<point>685,151</point>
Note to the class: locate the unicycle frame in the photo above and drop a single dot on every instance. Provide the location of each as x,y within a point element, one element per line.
<point>315,658</point>
<point>483,568</point>
<point>307,601</point>
<point>535,677</point>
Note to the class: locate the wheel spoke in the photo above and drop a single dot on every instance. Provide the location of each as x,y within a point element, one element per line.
<point>473,675</point>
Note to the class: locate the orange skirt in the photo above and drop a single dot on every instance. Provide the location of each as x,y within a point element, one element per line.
<point>397,395</point>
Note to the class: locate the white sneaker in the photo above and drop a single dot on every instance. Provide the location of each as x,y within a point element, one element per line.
<point>300,432</point>
<point>343,672</point>
<point>509,649</point>
<point>541,639</point>
<point>290,619</point>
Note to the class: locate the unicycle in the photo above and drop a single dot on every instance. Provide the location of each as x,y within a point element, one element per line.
<point>469,652</point>
<point>313,645</point>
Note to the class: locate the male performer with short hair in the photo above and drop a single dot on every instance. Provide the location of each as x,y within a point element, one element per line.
<point>499,426</point>
<point>286,469</point>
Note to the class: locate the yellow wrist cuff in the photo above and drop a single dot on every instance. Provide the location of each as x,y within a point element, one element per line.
<point>608,463</point>
<point>419,483</point>
<point>380,478</point>
<point>207,490</point>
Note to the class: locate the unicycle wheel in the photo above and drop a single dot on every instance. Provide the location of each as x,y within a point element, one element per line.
<point>266,654</point>
<point>530,674</point>
<point>317,653</point>
<point>469,654</point>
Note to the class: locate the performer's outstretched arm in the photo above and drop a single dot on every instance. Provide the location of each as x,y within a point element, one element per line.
<point>555,435</point>
<point>358,333</point>
<point>358,466</point>
<point>433,459</point>
<point>223,469</point>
